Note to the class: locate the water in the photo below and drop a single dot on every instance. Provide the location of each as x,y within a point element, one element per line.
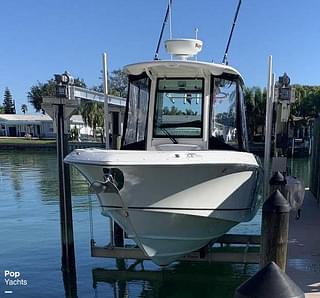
<point>30,242</point>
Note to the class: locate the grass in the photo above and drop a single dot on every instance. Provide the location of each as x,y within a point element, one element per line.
<point>24,141</point>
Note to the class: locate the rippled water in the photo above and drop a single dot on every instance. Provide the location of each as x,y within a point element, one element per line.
<point>30,242</point>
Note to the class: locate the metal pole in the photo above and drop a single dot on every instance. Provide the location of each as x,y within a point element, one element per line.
<point>113,232</point>
<point>105,91</point>
<point>268,128</point>
<point>170,18</point>
<point>68,259</point>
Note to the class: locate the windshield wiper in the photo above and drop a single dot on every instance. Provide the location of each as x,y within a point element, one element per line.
<point>173,140</point>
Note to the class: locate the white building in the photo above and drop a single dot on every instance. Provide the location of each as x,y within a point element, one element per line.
<point>38,125</point>
<point>77,121</point>
<point>13,125</point>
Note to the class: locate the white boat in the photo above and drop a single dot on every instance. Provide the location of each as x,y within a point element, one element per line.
<point>184,176</point>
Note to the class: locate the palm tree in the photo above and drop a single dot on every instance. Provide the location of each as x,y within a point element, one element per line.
<point>92,114</point>
<point>24,108</point>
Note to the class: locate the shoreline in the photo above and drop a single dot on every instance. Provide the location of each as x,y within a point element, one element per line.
<point>13,143</point>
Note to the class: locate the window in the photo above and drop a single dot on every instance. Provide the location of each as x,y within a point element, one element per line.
<point>224,128</point>
<point>178,108</point>
<point>137,111</point>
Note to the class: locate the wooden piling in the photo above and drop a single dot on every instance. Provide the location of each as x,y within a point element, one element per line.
<point>315,161</point>
<point>116,127</point>
<point>270,281</point>
<point>277,181</point>
<point>275,228</point>
<point>118,233</point>
<point>68,258</point>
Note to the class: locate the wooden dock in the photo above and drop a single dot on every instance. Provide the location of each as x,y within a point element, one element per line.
<point>304,248</point>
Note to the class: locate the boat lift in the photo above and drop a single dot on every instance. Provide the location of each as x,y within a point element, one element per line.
<point>229,248</point>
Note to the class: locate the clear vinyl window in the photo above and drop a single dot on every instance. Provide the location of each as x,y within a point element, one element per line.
<point>137,110</point>
<point>224,128</point>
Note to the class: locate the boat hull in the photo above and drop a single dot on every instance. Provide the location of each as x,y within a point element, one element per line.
<point>172,208</point>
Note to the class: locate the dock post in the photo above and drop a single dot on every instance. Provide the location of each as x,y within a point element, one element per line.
<point>270,281</point>
<point>60,108</point>
<point>68,263</point>
<point>116,123</point>
<point>275,228</point>
<point>315,160</point>
<point>117,230</point>
<point>67,241</point>
<point>277,181</point>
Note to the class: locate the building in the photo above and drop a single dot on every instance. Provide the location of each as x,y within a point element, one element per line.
<point>76,121</point>
<point>13,125</point>
<point>39,125</point>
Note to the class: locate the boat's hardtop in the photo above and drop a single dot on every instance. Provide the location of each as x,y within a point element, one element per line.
<point>192,68</point>
<point>128,157</point>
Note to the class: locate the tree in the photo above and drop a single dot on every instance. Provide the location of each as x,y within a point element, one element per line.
<point>165,111</point>
<point>24,108</point>
<point>255,101</point>
<point>1,110</point>
<point>307,102</point>
<point>119,83</point>
<point>249,103</point>
<point>37,92</point>
<point>8,103</point>
<point>92,114</point>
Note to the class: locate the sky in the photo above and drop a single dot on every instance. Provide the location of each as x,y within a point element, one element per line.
<point>41,38</point>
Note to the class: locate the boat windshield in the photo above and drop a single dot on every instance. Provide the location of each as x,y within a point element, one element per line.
<point>178,108</point>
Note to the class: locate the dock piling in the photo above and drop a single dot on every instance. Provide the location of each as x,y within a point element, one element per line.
<point>118,233</point>
<point>275,228</point>
<point>67,241</point>
<point>60,108</point>
<point>315,161</point>
<point>277,181</point>
<point>270,281</point>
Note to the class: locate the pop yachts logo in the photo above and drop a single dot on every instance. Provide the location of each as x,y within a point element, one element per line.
<point>13,278</point>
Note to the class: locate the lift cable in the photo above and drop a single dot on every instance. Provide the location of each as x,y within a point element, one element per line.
<point>92,241</point>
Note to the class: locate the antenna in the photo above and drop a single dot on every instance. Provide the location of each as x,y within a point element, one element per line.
<point>156,55</point>
<point>196,32</point>
<point>225,60</point>
<point>170,18</point>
